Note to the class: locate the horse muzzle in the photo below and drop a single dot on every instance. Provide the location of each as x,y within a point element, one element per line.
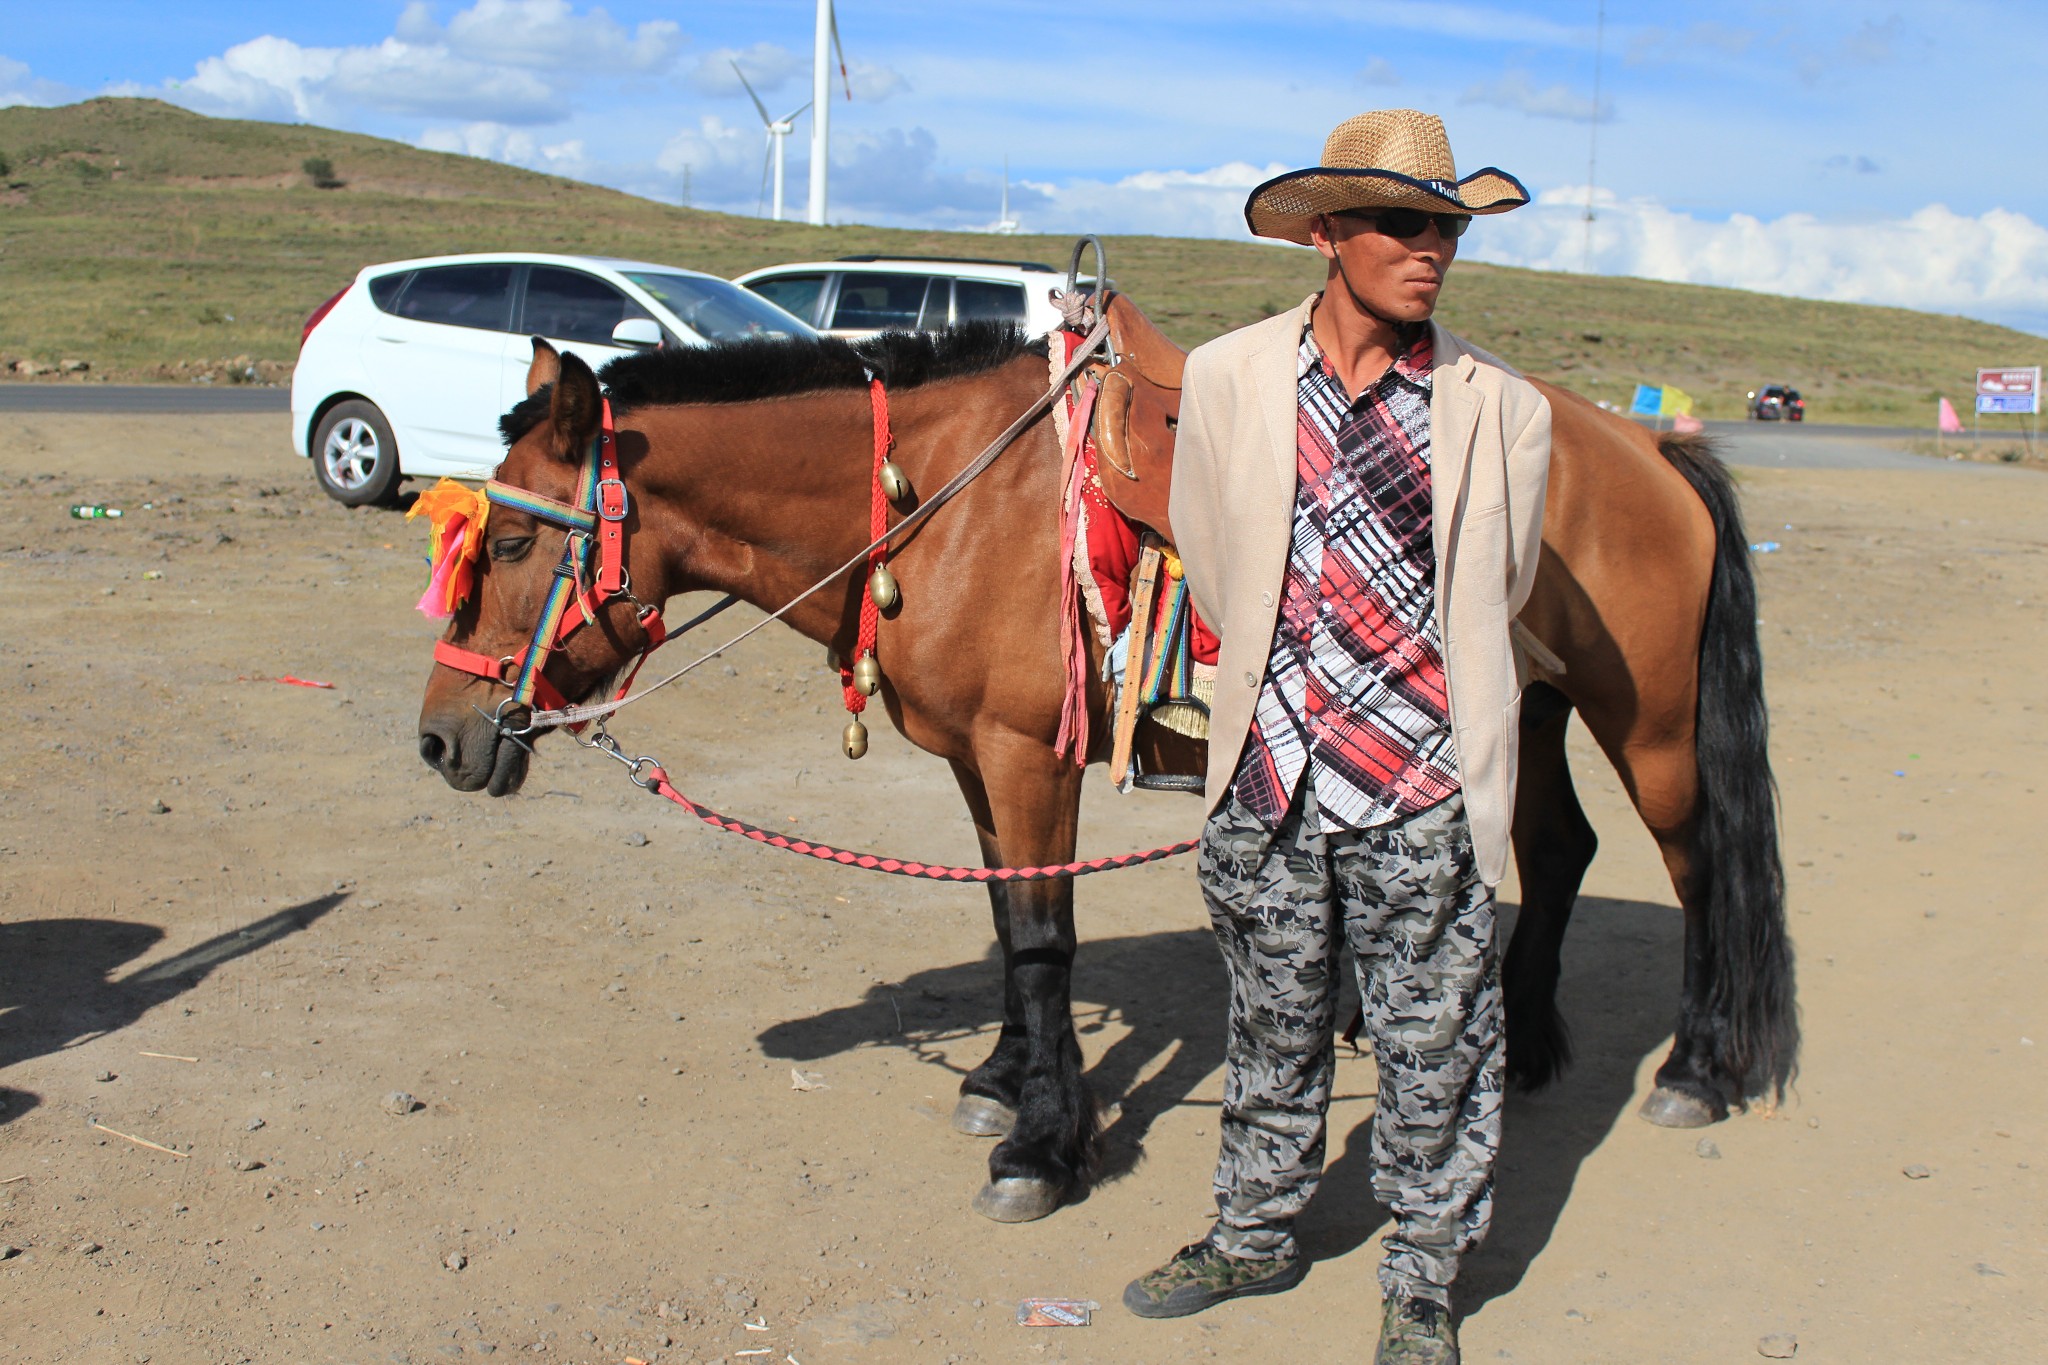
<point>473,753</point>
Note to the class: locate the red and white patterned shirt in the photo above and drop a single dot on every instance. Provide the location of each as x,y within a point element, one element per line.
<point>1354,688</point>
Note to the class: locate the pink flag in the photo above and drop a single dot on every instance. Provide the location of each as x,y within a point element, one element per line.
<point>1947,420</point>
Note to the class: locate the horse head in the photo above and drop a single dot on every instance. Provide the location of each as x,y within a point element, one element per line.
<point>473,719</point>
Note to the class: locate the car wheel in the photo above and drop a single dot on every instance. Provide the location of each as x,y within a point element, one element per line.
<point>355,456</point>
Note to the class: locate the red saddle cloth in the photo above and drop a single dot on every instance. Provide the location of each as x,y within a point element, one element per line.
<point>1113,556</point>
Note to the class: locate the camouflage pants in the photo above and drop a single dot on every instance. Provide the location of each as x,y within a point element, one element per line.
<point>1409,901</point>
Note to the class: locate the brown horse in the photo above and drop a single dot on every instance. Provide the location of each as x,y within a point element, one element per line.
<point>749,469</point>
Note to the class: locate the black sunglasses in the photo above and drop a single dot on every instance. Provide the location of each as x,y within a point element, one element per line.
<point>1406,223</point>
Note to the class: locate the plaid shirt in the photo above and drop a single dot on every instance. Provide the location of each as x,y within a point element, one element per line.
<point>1355,688</point>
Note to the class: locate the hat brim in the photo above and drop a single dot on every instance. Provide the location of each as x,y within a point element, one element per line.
<point>1288,205</point>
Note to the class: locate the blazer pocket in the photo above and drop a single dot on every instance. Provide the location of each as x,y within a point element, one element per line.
<point>1482,551</point>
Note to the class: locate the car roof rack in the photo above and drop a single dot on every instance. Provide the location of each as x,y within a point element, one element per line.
<point>1037,266</point>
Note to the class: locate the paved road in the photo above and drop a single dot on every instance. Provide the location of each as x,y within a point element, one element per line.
<point>135,398</point>
<point>1767,444</point>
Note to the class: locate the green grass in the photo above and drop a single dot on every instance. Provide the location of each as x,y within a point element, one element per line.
<point>137,235</point>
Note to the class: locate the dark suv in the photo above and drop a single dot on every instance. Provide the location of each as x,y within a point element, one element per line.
<point>1773,402</point>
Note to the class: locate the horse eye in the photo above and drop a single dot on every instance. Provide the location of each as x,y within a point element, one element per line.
<point>511,547</point>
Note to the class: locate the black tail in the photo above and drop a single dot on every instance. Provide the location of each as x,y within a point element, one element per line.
<point>1751,1024</point>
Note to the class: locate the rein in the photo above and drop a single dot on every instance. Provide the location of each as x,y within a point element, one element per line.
<point>578,715</point>
<point>597,515</point>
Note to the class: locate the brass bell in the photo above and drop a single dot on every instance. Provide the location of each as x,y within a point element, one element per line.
<point>855,740</point>
<point>895,483</point>
<point>882,587</point>
<point>867,676</point>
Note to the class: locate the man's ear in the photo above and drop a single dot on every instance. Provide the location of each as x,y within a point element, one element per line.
<point>575,409</point>
<point>1322,234</point>
<point>545,369</point>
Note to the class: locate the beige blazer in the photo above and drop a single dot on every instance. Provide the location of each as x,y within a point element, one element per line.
<point>1232,511</point>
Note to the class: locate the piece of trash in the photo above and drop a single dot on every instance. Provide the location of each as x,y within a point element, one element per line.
<point>760,1326</point>
<point>284,678</point>
<point>1055,1312</point>
<point>152,575</point>
<point>168,1056</point>
<point>1764,547</point>
<point>1915,1171</point>
<point>1778,1346</point>
<point>1898,772</point>
<point>144,1142</point>
<point>799,1081</point>
<point>92,511</point>
<point>764,1351</point>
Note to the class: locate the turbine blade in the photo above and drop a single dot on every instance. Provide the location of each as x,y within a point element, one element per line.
<point>833,14</point>
<point>792,114</point>
<point>750,90</point>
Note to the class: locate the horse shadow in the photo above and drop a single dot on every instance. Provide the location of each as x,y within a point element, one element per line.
<point>1620,990</point>
<point>57,984</point>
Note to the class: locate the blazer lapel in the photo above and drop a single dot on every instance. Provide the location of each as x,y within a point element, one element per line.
<point>1273,374</point>
<point>1455,408</point>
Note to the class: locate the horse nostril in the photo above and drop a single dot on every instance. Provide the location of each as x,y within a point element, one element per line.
<point>433,749</point>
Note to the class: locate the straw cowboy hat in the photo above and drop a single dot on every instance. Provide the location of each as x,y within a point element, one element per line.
<point>1389,158</point>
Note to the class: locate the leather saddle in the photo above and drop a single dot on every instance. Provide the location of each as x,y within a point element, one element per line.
<point>1137,413</point>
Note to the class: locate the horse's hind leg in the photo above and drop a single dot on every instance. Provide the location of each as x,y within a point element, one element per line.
<point>1554,844</point>
<point>989,1094</point>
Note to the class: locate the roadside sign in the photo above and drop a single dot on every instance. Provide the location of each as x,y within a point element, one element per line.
<point>2012,390</point>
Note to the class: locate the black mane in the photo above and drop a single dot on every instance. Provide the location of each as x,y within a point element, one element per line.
<point>776,367</point>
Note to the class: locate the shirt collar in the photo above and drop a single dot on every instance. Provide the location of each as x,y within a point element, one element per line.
<point>1413,364</point>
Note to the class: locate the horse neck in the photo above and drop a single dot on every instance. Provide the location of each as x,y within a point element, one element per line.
<point>766,498</point>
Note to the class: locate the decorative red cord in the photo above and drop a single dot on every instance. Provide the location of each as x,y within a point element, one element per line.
<point>656,780</point>
<point>878,522</point>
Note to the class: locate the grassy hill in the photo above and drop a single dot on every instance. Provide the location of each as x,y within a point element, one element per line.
<point>136,235</point>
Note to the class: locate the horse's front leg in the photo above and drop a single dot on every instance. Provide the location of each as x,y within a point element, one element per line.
<point>990,1093</point>
<point>1034,799</point>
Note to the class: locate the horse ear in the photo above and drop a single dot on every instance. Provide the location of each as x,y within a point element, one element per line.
<point>546,366</point>
<point>575,409</point>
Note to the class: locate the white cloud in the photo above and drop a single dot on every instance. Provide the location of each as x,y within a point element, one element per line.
<point>499,61</point>
<point>514,146</point>
<point>1206,203</point>
<point>1993,265</point>
<point>768,67</point>
<point>1514,90</point>
<point>548,35</point>
<point>18,85</point>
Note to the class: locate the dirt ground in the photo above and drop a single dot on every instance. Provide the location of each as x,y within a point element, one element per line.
<point>236,916</point>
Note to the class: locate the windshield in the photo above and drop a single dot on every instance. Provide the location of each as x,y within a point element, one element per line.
<point>716,310</point>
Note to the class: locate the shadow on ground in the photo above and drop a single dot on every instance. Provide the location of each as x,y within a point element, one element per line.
<point>57,983</point>
<point>1620,994</point>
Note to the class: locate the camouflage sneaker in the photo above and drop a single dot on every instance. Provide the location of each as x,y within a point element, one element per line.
<point>1199,1276</point>
<point>1416,1332</point>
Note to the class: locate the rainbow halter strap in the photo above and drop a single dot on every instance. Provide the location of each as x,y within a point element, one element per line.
<point>597,516</point>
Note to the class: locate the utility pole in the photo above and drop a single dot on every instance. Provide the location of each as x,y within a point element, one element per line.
<point>821,110</point>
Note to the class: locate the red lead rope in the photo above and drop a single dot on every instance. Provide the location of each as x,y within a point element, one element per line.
<point>656,781</point>
<point>878,522</point>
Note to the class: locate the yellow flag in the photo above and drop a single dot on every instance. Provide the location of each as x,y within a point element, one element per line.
<point>1674,401</point>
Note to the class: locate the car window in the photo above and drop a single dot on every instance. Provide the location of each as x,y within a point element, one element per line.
<point>572,306</point>
<point>796,294</point>
<point>938,306</point>
<point>716,309</point>
<point>460,296</point>
<point>384,289</point>
<point>873,302</point>
<point>976,300</point>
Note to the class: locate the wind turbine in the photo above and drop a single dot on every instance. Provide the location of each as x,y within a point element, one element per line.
<point>827,38</point>
<point>1006,225</point>
<point>778,130</point>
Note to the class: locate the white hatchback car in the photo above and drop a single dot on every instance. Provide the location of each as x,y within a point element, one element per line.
<point>857,296</point>
<point>406,372</point>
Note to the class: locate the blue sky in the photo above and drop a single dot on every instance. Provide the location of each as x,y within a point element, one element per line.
<point>1873,152</point>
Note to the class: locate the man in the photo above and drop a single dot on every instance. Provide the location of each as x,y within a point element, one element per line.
<point>1358,500</point>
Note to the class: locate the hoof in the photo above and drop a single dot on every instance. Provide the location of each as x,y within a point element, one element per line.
<point>1669,1108</point>
<point>1016,1199</point>
<point>980,1116</point>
